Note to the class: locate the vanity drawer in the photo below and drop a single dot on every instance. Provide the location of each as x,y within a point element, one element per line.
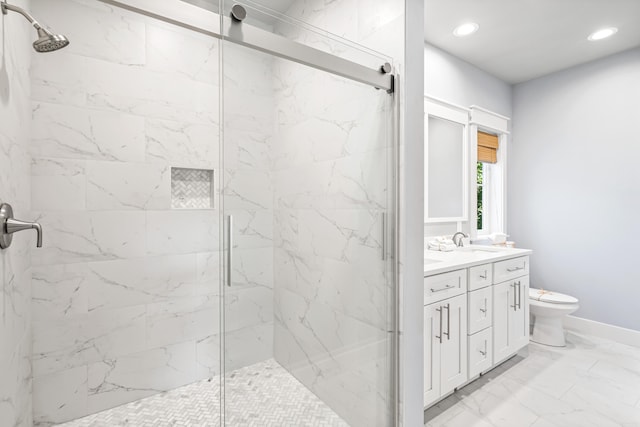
<point>445,285</point>
<point>480,310</point>
<point>480,276</point>
<point>480,352</point>
<point>510,269</point>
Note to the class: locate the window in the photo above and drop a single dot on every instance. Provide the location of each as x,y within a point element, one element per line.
<point>480,201</point>
<point>487,162</point>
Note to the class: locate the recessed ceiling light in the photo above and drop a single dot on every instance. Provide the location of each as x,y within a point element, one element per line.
<point>603,34</point>
<point>465,29</point>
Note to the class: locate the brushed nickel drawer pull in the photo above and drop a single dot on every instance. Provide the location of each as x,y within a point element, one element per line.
<point>442,289</point>
<point>485,275</point>
<point>511,270</point>
<point>439,310</point>
<point>448,333</point>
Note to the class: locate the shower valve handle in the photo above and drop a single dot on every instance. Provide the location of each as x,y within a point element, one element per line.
<point>11,225</point>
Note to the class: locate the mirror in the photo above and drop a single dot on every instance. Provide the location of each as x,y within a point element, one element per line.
<point>446,154</point>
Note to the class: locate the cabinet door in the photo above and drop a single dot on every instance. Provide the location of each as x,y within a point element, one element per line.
<point>453,353</point>
<point>502,315</point>
<point>519,324</point>
<point>432,332</point>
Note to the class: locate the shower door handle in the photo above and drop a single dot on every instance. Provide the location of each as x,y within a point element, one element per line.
<point>229,248</point>
<point>384,236</point>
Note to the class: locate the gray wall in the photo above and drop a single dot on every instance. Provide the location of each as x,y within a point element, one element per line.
<point>453,80</point>
<point>573,187</point>
<point>15,267</point>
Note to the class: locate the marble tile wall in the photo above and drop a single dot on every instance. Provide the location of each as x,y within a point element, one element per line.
<point>331,184</point>
<point>15,266</point>
<point>126,290</point>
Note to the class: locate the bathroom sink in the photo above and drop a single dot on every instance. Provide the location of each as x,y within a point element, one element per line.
<point>428,261</point>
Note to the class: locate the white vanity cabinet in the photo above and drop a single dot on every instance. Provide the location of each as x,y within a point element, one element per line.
<point>445,347</point>
<point>474,319</point>
<point>510,317</point>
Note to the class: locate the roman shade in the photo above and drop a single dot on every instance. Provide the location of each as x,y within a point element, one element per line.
<point>487,147</point>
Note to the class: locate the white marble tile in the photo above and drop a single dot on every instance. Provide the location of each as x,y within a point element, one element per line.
<point>122,186</point>
<point>252,228</point>
<point>103,32</point>
<point>188,231</point>
<point>81,133</point>
<point>75,341</point>
<point>182,319</point>
<point>208,356</point>
<point>58,184</point>
<point>134,376</point>
<point>247,150</point>
<point>90,236</point>
<point>15,273</point>
<point>122,283</point>
<point>253,268</point>
<point>121,88</point>
<point>60,397</point>
<point>592,398</point>
<point>607,407</point>
<point>182,144</point>
<point>59,291</point>
<point>247,306</point>
<point>208,270</point>
<point>165,52</point>
<point>248,190</point>
<point>248,345</point>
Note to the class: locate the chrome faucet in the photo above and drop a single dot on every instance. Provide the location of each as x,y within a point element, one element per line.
<point>459,242</point>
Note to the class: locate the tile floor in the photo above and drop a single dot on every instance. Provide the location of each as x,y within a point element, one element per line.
<point>590,383</point>
<point>260,395</point>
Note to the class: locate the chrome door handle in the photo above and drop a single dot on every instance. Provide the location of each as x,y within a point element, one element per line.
<point>439,310</point>
<point>230,248</point>
<point>11,225</point>
<point>519,295</point>
<point>515,296</point>
<point>448,333</point>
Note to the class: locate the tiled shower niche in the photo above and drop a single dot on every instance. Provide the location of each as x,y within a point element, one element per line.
<point>192,188</point>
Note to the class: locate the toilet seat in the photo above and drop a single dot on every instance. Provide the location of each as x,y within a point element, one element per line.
<point>551,297</point>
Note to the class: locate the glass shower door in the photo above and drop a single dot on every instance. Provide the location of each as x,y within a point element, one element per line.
<point>307,190</point>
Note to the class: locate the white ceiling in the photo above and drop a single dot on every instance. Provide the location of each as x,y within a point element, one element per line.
<point>519,40</point>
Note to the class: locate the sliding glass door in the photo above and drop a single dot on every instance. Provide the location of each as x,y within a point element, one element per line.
<point>307,196</point>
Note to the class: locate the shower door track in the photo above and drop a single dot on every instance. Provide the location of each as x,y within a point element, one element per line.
<point>261,40</point>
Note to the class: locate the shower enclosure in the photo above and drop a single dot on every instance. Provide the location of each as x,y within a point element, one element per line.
<point>217,185</point>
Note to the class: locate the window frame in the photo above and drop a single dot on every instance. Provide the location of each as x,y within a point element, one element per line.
<point>494,176</point>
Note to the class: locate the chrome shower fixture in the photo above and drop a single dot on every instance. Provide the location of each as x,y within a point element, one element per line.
<point>47,41</point>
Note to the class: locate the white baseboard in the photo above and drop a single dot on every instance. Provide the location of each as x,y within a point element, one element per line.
<point>603,330</point>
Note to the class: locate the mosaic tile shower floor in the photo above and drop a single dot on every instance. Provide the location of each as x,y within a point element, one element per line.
<point>260,395</point>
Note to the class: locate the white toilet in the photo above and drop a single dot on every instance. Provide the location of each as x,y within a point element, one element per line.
<point>548,310</point>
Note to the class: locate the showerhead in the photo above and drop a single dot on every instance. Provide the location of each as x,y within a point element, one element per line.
<point>47,41</point>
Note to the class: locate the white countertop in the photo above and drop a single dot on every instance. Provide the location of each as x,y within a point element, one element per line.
<point>436,262</point>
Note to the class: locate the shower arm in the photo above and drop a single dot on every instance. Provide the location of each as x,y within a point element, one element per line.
<point>6,7</point>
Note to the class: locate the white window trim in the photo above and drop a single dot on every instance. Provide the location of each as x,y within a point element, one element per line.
<point>485,120</point>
